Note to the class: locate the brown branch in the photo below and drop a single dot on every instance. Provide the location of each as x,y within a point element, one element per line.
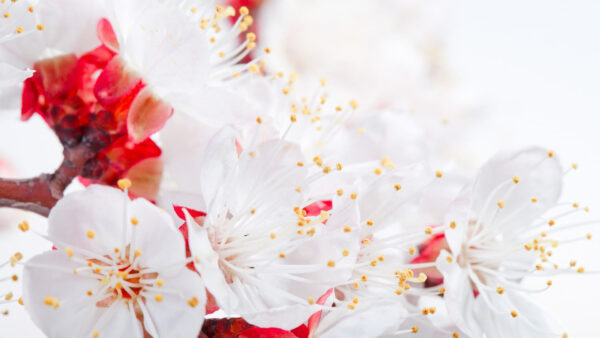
<point>39,194</point>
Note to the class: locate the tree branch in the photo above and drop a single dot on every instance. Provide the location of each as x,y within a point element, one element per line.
<point>39,194</point>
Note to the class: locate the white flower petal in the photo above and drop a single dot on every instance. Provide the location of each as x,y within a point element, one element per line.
<point>173,316</point>
<point>161,243</point>
<point>92,219</point>
<point>368,319</point>
<point>459,297</point>
<point>51,275</point>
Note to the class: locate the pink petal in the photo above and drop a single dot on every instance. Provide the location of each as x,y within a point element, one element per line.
<point>107,35</point>
<point>147,115</point>
<point>115,82</point>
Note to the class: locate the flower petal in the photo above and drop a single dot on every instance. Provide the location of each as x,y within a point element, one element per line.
<point>51,275</point>
<point>156,226</point>
<point>98,210</point>
<point>181,312</point>
<point>147,115</point>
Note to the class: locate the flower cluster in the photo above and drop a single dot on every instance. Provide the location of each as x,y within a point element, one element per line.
<point>215,187</point>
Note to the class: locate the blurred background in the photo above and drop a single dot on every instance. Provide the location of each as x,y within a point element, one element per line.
<point>480,76</point>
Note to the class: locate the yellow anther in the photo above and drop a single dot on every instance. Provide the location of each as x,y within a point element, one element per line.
<point>449,259</point>
<point>345,252</point>
<point>282,255</point>
<point>267,50</point>
<point>572,263</point>
<point>20,301</point>
<point>439,174</point>
<point>353,104</point>
<point>14,278</point>
<point>347,228</point>
<point>574,166</point>
<point>361,131</point>
<point>411,250</point>
<point>158,297</point>
<point>428,230</point>
<point>364,278</point>
<point>551,153</point>
<point>539,267</point>
<point>398,292</point>
<point>134,221</point>
<point>353,195</point>
<point>425,311</point>
<point>551,222</point>
<point>588,236</point>
<point>386,162</point>
<point>370,222</point>
<point>193,302</point>
<point>244,10</point>
<point>377,171</point>
<point>415,329</point>
<point>124,183</point>
<point>250,36</point>
<point>432,310</point>
<point>374,262</point>
<point>24,226</point>
<point>160,282</point>
<point>442,290</point>
<point>351,306</point>
<point>20,30</point>
<point>258,120</point>
<point>90,234</point>
<point>500,290</point>
<point>118,286</point>
<point>580,269</point>
<point>310,300</point>
<point>533,200</point>
<point>137,252</point>
<point>331,263</point>
<point>513,312</point>
<point>454,334</point>
<point>273,236</point>
<point>338,166</point>
<point>95,334</point>
<point>397,187</point>
<point>298,189</point>
<point>6,15</point>
<point>326,169</point>
<point>516,179</point>
<point>8,296</point>
<point>40,27</point>
<point>51,301</point>
<point>340,192</point>
<point>69,252</point>
<point>549,283</point>
<point>575,205</point>
<point>500,204</point>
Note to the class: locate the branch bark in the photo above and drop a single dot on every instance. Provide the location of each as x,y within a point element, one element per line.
<point>39,194</point>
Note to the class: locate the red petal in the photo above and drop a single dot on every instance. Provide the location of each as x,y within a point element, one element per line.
<point>429,252</point>
<point>301,331</point>
<point>259,332</point>
<point>115,82</point>
<point>194,213</point>
<point>316,208</point>
<point>147,115</point>
<point>107,35</point>
<point>29,99</point>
